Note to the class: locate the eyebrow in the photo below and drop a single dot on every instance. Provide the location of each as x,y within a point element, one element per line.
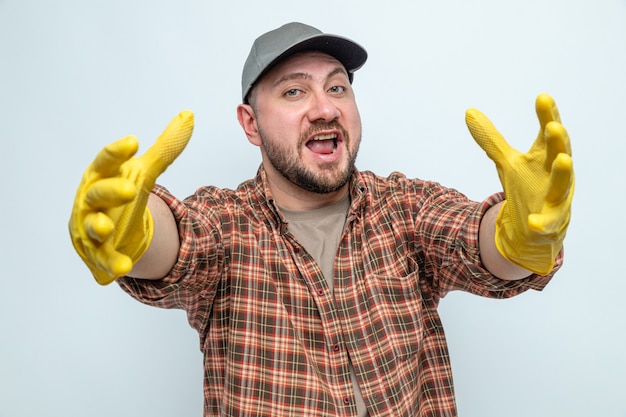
<point>307,76</point>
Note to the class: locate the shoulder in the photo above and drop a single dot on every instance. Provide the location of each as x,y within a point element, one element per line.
<point>395,184</point>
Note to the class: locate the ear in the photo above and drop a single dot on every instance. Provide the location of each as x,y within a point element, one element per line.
<point>247,120</point>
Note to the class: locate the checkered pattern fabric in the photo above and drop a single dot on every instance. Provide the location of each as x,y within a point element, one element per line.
<point>277,342</point>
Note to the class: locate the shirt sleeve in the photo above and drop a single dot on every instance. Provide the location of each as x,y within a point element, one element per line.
<point>191,283</point>
<point>453,254</point>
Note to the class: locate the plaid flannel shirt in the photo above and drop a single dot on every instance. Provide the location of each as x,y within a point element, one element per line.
<point>277,342</point>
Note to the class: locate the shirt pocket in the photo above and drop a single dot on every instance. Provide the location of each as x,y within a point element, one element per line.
<point>396,310</point>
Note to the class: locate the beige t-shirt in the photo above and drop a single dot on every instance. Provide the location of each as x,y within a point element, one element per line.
<point>319,232</point>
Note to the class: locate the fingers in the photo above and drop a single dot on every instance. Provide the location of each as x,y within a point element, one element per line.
<point>561,179</point>
<point>110,207</point>
<point>555,214</point>
<point>98,226</point>
<point>117,263</point>
<point>166,149</point>
<point>110,192</point>
<point>110,264</point>
<point>105,262</point>
<point>102,277</point>
<point>546,110</point>
<point>109,159</point>
<point>557,140</point>
<point>487,136</point>
<point>170,144</point>
<point>550,222</point>
<point>99,254</point>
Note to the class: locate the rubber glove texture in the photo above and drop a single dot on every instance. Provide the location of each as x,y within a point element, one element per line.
<point>110,225</point>
<point>538,185</point>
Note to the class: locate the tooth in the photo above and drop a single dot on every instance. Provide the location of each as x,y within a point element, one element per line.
<point>324,137</point>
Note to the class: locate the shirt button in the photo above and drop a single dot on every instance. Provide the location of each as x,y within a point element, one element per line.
<point>346,400</point>
<point>336,347</point>
<point>320,291</point>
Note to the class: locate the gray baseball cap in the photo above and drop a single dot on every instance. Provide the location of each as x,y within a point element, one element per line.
<point>274,46</point>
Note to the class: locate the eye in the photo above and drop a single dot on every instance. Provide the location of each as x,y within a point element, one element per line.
<point>337,89</point>
<point>293,92</point>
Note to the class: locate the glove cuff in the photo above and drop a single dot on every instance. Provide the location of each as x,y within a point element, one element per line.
<point>525,248</point>
<point>141,241</point>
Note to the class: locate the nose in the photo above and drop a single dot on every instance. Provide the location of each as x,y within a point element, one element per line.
<point>323,108</point>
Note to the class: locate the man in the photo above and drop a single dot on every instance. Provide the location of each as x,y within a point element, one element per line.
<point>314,287</point>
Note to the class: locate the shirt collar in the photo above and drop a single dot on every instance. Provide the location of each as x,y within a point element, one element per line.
<point>271,211</point>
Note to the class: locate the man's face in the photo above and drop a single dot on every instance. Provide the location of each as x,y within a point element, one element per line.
<point>308,121</point>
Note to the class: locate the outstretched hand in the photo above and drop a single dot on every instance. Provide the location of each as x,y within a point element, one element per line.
<point>538,184</point>
<point>110,226</point>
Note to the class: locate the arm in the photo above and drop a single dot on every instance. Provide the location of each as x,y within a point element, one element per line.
<point>489,254</point>
<point>162,253</point>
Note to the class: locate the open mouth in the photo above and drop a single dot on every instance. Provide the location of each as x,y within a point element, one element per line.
<point>323,144</point>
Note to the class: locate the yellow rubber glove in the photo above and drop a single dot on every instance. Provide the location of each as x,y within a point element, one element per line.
<point>539,186</point>
<point>111,226</point>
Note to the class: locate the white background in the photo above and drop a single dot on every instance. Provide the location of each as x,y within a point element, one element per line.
<point>76,75</point>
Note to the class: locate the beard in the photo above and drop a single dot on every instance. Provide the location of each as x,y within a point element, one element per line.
<point>329,177</point>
